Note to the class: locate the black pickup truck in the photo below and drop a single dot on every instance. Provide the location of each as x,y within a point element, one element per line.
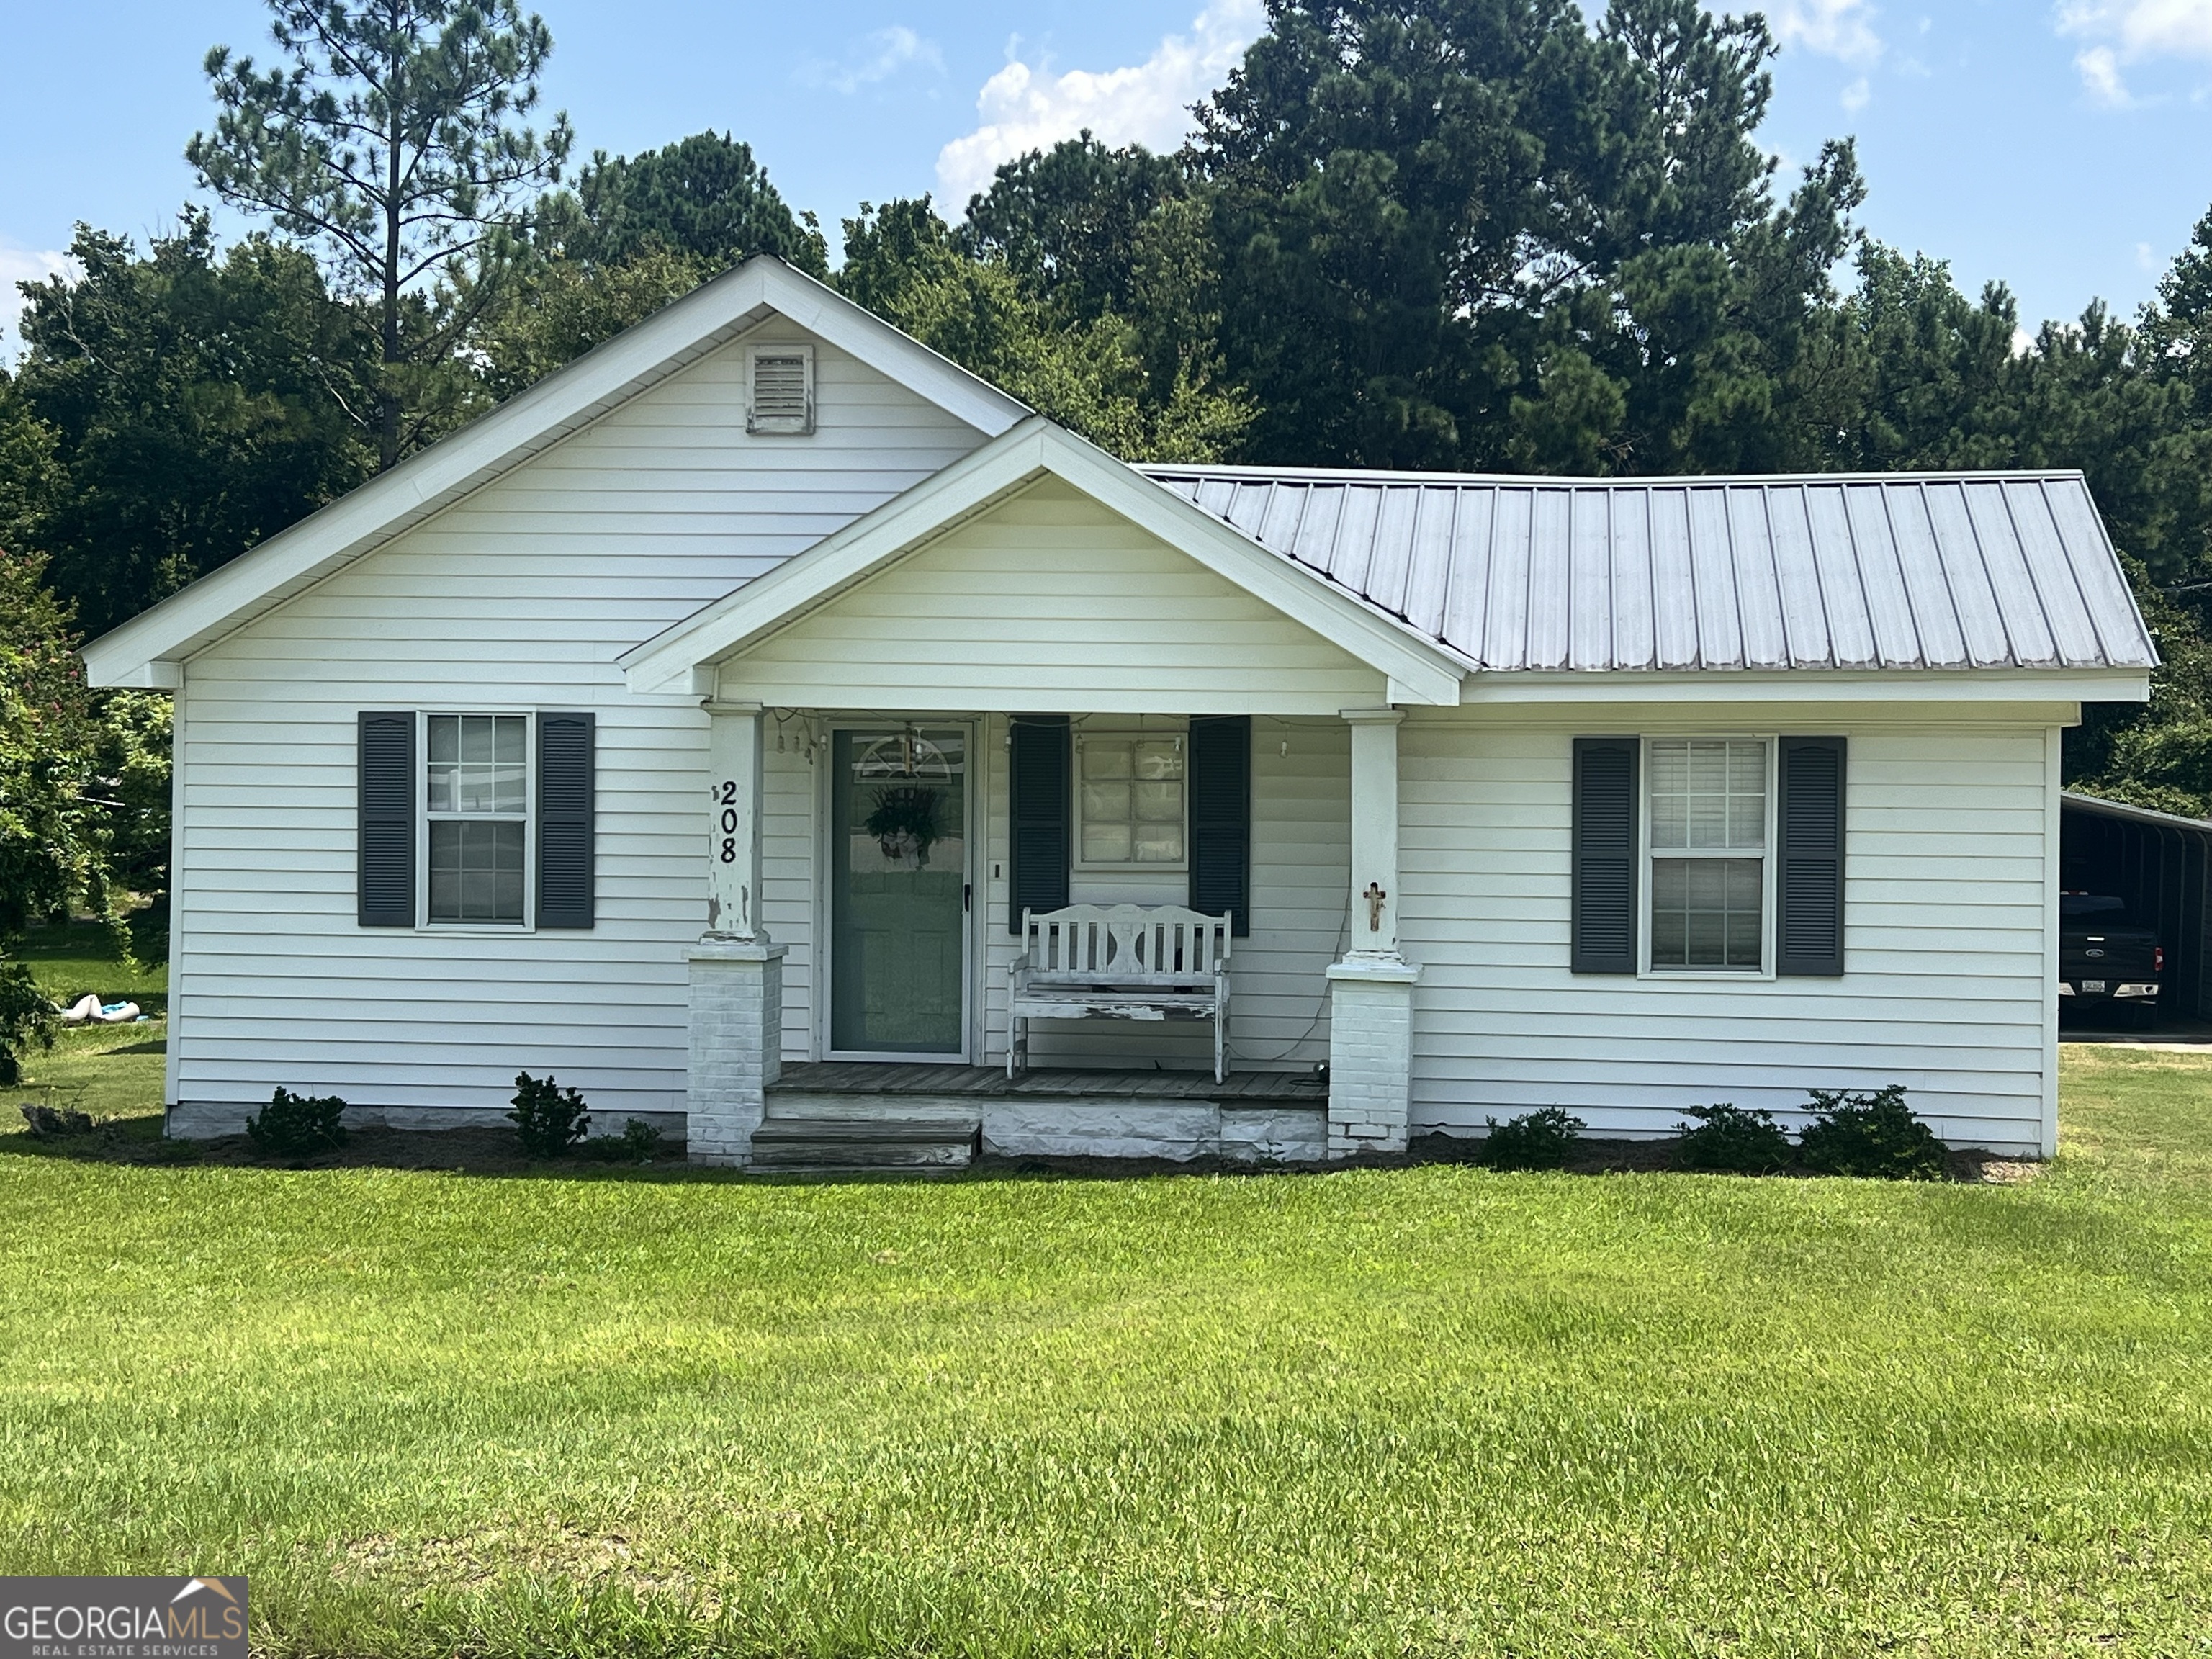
<point>2107,963</point>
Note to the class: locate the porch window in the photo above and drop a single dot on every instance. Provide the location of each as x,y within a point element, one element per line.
<point>476,807</point>
<point>1130,801</point>
<point>1708,848</point>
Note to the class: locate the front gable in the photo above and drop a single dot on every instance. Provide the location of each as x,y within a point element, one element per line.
<point>622,443</point>
<point>1049,602</point>
<point>604,539</point>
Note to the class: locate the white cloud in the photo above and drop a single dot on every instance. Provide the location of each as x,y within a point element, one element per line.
<point>875,58</point>
<point>2144,28</point>
<point>1027,106</point>
<point>22,264</point>
<point>2124,32</point>
<point>2100,73</point>
<point>1857,95</point>
<point>1834,28</point>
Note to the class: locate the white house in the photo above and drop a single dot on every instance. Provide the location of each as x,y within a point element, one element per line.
<point>699,726</point>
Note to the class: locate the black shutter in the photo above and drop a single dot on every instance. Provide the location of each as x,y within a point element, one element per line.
<point>1037,830</point>
<point>1603,916</point>
<point>1221,819</point>
<point>1810,884</point>
<point>384,791</point>
<point>565,783</point>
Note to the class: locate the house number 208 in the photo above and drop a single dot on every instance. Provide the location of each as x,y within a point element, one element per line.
<point>725,793</point>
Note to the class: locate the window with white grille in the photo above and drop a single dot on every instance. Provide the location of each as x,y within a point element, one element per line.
<point>1130,806</point>
<point>477,806</point>
<point>779,388</point>
<point>1708,837</point>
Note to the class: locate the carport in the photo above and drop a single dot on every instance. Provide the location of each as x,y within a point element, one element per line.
<point>2161,865</point>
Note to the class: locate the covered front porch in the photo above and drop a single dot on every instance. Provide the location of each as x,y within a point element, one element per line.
<point>869,879</point>
<point>1041,681</point>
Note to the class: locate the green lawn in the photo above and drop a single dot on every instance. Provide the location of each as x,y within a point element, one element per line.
<point>107,1070</point>
<point>1434,1410</point>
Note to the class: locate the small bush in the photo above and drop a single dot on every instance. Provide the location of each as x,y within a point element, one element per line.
<point>26,1017</point>
<point>548,1118</point>
<point>1541,1139</point>
<point>298,1123</point>
<point>638,1143</point>
<point>1732,1141</point>
<point>1870,1134</point>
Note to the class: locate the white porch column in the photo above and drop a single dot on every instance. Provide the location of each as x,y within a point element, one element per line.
<point>1371,1030</point>
<point>737,974</point>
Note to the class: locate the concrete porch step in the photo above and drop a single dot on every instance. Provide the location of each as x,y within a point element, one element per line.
<point>846,1143</point>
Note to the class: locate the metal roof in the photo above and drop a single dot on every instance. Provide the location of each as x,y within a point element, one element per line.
<point>2098,805</point>
<point>1898,570</point>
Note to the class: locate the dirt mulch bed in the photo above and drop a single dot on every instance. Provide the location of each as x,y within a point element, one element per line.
<point>463,1152</point>
<point>488,1151</point>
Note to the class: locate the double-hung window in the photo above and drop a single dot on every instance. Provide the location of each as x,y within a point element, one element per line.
<point>1131,802</point>
<point>476,807</point>
<point>1709,826</point>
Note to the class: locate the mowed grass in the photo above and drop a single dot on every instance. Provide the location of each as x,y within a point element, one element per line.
<point>1436,1410</point>
<point>109,1071</point>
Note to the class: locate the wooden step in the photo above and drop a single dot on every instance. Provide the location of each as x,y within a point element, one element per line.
<point>831,1143</point>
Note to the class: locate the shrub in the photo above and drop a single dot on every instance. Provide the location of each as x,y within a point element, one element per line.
<point>298,1123</point>
<point>27,1016</point>
<point>638,1143</point>
<point>1541,1139</point>
<point>1870,1134</point>
<point>548,1118</point>
<point>1730,1139</point>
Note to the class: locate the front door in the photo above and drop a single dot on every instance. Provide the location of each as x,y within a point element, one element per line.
<point>898,891</point>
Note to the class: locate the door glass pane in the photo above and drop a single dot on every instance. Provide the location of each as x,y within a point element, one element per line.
<point>898,872</point>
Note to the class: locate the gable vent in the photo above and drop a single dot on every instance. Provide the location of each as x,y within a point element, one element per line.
<point>779,388</point>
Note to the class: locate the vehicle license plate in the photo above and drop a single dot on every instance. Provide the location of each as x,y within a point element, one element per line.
<point>2093,985</point>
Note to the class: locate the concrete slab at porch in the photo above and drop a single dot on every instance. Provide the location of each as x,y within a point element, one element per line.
<point>864,1113</point>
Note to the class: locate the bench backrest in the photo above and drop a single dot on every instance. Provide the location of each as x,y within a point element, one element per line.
<point>1133,944</point>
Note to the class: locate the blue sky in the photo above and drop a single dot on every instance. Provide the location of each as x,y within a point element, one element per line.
<point>2057,145</point>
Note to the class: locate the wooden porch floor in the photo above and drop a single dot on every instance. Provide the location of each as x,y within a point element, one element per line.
<point>859,1076</point>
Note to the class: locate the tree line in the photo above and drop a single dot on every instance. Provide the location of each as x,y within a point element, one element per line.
<point>1489,236</point>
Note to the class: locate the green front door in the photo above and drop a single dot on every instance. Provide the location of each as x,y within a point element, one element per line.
<point>898,887</point>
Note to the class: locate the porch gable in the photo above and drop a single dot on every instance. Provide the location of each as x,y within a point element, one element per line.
<point>1049,602</point>
<point>1145,519</point>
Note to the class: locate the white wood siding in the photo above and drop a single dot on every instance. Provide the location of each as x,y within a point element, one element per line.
<point>1051,602</point>
<point>1949,866</point>
<point>519,598</point>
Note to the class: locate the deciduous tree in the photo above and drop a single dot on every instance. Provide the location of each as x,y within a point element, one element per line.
<point>173,409</point>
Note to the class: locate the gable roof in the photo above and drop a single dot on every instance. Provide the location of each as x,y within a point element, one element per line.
<point>146,650</point>
<point>1891,571</point>
<point>1418,669</point>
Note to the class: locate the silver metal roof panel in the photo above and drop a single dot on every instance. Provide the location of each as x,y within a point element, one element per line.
<point>1903,571</point>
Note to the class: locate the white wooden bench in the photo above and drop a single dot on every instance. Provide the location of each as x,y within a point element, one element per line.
<point>1120,962</point>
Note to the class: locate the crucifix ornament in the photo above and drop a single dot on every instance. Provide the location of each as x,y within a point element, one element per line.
<point>1375,896</point>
